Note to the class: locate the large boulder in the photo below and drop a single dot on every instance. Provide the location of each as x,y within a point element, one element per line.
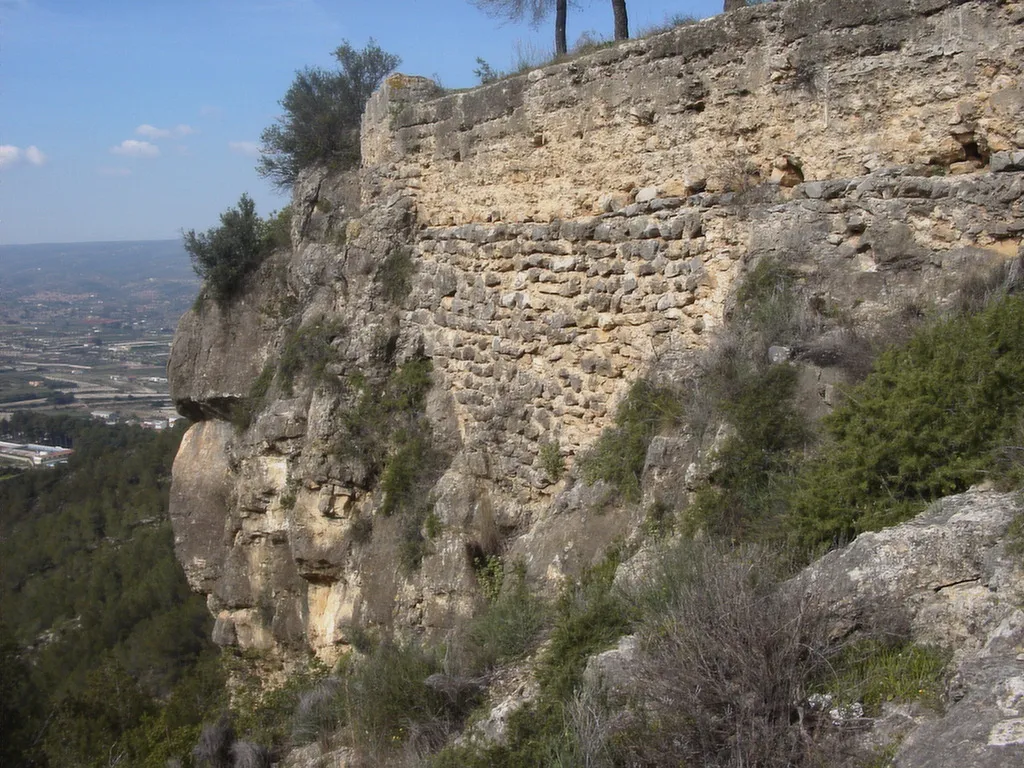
<point>951,576</point>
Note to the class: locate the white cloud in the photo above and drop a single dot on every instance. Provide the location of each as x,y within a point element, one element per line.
<point>12,155</point>
<point>34,155</point>
<point>115,171</point>
<point>135,148</point>
<point>152,132</point>
<point>9,155</point>
<point>248,148</point>
<point>210,111</point>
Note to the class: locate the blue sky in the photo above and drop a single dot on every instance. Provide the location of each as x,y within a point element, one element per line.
<point>135,119</point>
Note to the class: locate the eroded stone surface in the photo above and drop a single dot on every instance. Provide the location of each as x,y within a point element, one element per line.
<point>571,230</point>
<point>948,574</point>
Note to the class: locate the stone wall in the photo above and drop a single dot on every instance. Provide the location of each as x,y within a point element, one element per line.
<point>818,89</point>
<point>571,230</point>
<point>578,221</point>
<point>537,329</point>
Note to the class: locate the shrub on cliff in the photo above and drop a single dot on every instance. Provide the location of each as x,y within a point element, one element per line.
<point>224,256</point>
<point>322,111</point>
<point>752,477</point>
<point>724,658</point>
<point>933,418</point>
<point>618,455</point>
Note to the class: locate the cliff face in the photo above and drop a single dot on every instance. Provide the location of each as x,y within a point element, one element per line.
<point>543,242</point>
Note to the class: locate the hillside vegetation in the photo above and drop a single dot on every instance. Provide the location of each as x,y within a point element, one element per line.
<point>930,417</point>
<point>106,652</point>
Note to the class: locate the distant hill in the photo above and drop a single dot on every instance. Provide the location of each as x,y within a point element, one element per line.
<point>93,267</point>
<point>150,278</point>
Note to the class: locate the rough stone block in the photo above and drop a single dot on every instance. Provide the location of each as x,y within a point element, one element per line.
<point>1004,162</point>
<point>646,194</point>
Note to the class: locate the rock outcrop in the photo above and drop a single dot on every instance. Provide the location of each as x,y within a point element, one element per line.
<point>949,575</point>
<point>546,240</point>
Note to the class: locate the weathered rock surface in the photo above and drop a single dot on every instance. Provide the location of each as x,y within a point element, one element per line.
<point>949,575</point>
<point>568,231</point>
<point>828,89</point>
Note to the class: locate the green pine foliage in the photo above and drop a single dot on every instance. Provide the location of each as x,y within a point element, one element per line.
<point>752,481</point>
<point>322,112</point>
<point>101,632</point>
<point>620,452</point>
<point>929,421</point>
<point>225,256</point>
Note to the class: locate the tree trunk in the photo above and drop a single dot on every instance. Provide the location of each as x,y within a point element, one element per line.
<point>621,20</point>
<point>561,11</point>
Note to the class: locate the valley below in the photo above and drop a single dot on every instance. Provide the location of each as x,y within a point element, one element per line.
<point>87,327</point>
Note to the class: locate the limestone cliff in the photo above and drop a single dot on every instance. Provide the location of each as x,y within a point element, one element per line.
<point>543,242</point>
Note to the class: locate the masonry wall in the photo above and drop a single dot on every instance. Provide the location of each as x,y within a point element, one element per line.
<point>576,223</point>
<point>571,230</point>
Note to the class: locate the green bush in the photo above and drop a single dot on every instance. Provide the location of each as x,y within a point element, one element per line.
<point>403,469</point>
<point>490,574</point>
<point>413,545</point>
<point>487,74</point>
<point>508,628</point>
<point>750,486</point>
<point>265,715</point>
<point>395,274</point>
<point>308,349</point>
<point>388,701</point>
<point>589,615</point>
<point>279,228</point>
<point>619,454</point>
<point>767,310</point>
<point>551,461</point>
<point>433,526</point>
<point>224,256</point>
<point>874,672</point>
<point>385,429</point>
<point>929,421</point>
<point>322,111</point>
<point>659,520</point>
<point>536,735</point>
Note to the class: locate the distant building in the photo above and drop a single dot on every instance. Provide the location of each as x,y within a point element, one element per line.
<point>34,455</point>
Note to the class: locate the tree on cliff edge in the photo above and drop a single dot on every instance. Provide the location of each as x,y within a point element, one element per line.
<point>621,19</point>
<point>224,256</point>
<point>535,11</point>
<point>322,111</point>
